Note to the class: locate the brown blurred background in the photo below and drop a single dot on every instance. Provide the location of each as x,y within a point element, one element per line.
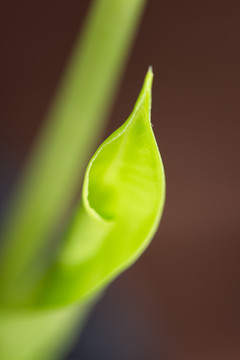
<point>181,300</point>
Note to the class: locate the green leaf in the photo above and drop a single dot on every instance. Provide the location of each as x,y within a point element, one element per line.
<point>122,202</point>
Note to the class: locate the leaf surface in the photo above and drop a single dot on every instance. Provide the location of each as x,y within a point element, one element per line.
<point>122,202</point>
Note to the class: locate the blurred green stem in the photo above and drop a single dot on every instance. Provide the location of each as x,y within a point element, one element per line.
<point>72,126</point>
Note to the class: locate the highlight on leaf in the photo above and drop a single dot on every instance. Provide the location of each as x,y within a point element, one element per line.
<point>122,202</point>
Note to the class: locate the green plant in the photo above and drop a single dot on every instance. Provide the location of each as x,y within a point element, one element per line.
<point>43,298</point>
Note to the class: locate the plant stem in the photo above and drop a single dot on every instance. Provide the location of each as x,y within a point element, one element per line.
<point>72,126</point>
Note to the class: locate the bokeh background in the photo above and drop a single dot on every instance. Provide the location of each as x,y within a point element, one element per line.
<point>181,300</point>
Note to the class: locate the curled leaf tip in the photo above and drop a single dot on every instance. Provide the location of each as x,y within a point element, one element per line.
<point>123,197</point>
